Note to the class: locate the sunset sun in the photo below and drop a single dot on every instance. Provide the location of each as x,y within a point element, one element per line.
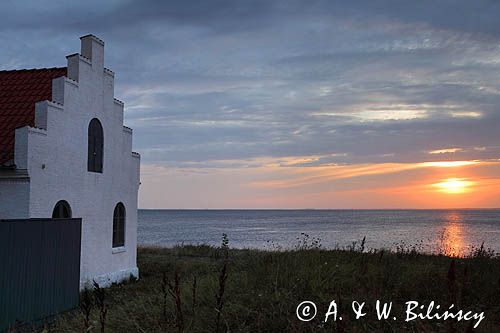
<point>454,185</point>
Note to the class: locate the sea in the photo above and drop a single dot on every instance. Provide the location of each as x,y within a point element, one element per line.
<point>452,232</point>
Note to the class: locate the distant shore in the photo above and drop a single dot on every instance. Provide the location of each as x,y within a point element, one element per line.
<point>204,288</point>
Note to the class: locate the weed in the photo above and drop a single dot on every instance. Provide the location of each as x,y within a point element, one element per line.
<point>86,306</point>
<point>100,300</point>
<point>223,274</point>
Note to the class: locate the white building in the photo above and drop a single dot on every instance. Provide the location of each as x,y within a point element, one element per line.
<point>64,152</point>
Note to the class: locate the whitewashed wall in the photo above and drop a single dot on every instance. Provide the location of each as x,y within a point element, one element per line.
<point>55,155</point>
<point>14,198</point>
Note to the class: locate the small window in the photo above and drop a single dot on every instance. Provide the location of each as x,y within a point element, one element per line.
<point>96,146</point>
<point>62,210</point>
<point>119,225</point>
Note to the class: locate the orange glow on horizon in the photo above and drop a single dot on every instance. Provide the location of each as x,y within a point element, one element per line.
<point>454,185</point>
<point>316,182</point>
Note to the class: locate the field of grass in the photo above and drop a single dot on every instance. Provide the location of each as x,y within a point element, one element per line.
<point>209,289</point>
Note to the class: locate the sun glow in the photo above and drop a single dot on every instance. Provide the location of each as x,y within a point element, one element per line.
<point>454,185</point>
<point>449,164</point>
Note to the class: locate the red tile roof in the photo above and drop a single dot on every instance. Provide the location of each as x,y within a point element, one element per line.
<point>19,91</point>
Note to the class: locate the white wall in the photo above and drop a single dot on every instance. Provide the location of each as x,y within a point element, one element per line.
<point>56,160</point>
<point>14,198</point>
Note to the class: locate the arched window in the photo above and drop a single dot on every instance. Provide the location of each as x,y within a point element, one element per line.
<point>96,146</point>
<point>119,225</point>
<point>62,210</point>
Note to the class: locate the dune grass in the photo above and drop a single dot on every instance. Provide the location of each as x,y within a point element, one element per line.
<point>210,289</point>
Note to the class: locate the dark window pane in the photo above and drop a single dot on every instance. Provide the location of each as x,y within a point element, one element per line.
<point>62,210</point>
<point>119,225</point>
<point>95,146</point>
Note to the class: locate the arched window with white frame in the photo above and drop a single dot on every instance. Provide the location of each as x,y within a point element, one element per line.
<point>95,146</point>
<point>62,210</point>
<point>119,225</point>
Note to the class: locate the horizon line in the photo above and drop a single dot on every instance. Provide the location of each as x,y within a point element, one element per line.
<point>458,208</point>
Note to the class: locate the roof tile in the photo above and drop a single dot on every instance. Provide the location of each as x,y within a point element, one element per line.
<point>19,91</point>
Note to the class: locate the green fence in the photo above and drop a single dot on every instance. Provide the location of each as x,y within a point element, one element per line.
<point>39,269</point>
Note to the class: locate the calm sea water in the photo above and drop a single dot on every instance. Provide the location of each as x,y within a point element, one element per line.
<point>451,230</point>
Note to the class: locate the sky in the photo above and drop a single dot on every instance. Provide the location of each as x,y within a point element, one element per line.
<point>292,104</point>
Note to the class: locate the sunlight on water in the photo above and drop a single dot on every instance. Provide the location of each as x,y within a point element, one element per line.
<point>452,238</point>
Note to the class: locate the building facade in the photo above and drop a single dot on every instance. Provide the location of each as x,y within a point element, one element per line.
<point>65,152</point>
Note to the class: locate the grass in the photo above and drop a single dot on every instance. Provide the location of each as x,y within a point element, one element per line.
<point>210,289</point>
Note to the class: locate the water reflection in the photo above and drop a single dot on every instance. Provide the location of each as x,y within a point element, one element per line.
<point>451,240</point>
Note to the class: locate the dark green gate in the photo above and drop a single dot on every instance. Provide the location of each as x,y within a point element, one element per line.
<point>39,268</point>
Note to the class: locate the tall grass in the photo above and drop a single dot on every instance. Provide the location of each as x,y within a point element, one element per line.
<point>223,274</point>
<point>218,289</point>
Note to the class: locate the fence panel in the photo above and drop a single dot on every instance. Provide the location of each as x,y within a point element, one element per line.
<point>39,268</point>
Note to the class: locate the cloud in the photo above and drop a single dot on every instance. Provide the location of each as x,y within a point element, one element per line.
<point>225,82</point>
<point>445,151</point>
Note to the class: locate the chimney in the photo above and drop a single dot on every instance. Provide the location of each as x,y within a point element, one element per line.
<point>93,49</point>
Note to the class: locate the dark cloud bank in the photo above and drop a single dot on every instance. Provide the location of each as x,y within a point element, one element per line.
<point>358,81</point>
